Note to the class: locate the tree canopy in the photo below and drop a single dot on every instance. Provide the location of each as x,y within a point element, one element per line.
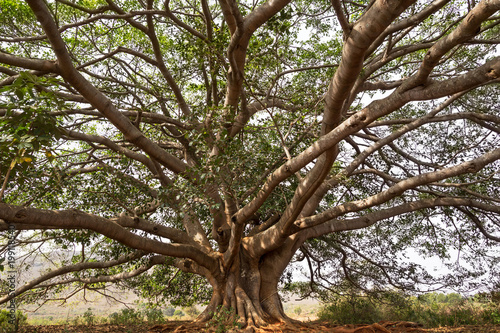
<point>198,150</point>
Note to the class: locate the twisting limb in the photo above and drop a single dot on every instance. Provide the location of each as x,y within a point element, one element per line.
<point>337,224</point>
<point>467,29</point>
<point>162,67</point>
<point>95,97</point>
<point>479,224</point>
<point>467,167</point>
<point>35,283</point>
<point>78,219</point>
<point>344,22</point>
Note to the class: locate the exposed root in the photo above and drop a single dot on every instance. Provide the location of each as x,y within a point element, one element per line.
<point>211,309</point>
<point>272,305</point>
<point>320,327</point>
<point>249,314</point>
<point>316,327</point>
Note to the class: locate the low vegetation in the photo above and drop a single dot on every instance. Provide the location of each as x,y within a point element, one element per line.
<point>6,321</point>
<point>430,310</point>
<point>141,314</point>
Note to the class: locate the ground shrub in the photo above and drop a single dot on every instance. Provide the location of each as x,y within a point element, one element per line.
<point>224,320</point>
<point>430,310</point>
<point>169,312</point>
<point>350,310</point>
<point>5,321</point>
<point>178,313</point>
<point>89,317</point>
<point>126,317</point>
<point>154,316</point>
<point>192,311</point>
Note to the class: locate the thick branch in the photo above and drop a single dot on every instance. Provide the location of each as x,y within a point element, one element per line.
<point>472,166</point>
<point>94,96</point>
<point>153,261</point>
<point>368,27</point>
<point>33,64</point>
<point>78,219</point>
<point>337,225</point>
<point>69,269</point>
<point>486,73</point>
<point>466,30</point>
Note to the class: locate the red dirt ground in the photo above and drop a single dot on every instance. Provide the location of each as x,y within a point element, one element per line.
<point>324,327</point>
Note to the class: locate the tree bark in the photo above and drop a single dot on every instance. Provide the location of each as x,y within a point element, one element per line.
<point>247,293</point>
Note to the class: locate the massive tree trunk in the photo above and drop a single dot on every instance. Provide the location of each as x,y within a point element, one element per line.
<point>248,292</point>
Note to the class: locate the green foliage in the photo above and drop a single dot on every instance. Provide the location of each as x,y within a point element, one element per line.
<point>89,317</point>
<point>224,319</point>
<point>6,324</point>
<point>169,311</point>
<point>154,315</point>
<point>430,310</point>
<point>126,316</point>
<point>297,310</point>
<point>12,11</point>
<point>350,310</point>
<point>185,289</point>
<point>178,313</point>
<point>28,131</point>
<point>192,311</point>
